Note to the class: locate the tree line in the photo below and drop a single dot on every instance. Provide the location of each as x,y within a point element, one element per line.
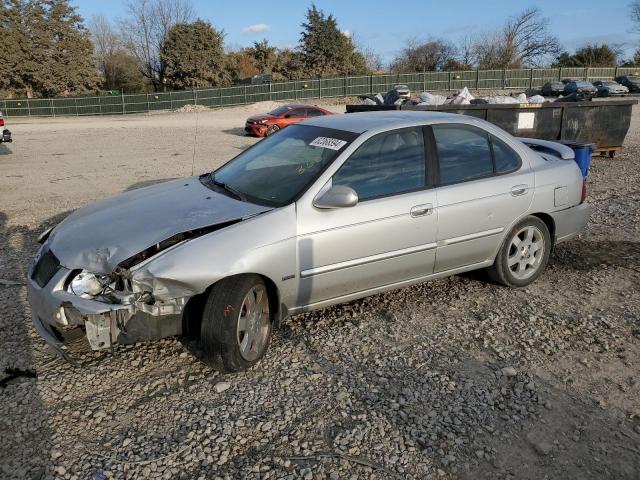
<point>49,50</point>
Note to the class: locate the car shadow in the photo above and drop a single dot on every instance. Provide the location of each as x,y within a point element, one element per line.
<point>4,149</point>
<point>23,360</point>
<point>238,132</point>
<point>585,255</point>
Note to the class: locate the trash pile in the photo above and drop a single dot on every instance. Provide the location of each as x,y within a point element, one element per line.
<point>189,108</point>
<point>401,95</point>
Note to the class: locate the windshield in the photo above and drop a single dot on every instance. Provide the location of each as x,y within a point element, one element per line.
<point>279,111</point>
<point>276,170</point>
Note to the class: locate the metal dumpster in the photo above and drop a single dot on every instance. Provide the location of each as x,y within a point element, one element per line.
<point>604,123</point>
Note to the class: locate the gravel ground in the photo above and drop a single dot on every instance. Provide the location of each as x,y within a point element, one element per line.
<point>457,378</point>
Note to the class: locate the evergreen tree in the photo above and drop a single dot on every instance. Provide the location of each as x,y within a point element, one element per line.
<point>47,50</point>
<point>10,45</point>
<point>589,56</point>
<point>289,65</point>
<point>193,55</point>
<point>326,50</point>
<point>264,55</point>
<point>69,66</point>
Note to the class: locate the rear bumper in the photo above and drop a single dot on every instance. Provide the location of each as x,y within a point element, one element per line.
<point>570,222</point>
<point>6,136</point>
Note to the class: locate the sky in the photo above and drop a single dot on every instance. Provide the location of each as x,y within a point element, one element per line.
<point>386,26</point>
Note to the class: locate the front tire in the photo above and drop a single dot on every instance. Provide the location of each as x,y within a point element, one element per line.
<point>524,254</point>
<point>236,323</point>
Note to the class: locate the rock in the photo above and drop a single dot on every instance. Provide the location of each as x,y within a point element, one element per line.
<point>509,372</point>
<point>221,386</point>
<point>342,395</point>
<point>540,444</point>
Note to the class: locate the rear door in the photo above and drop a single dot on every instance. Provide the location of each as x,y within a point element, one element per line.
<point>388,237</point>
<point>483,186</point>
<point>314,112</point>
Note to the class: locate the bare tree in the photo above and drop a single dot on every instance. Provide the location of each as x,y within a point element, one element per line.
<point>465,50</point>
<point>488,51</point>
<point>524,40</point>
<point>527,38</point>
<point>430,55</point>
<point>118,68</point>
<point>106,44</point>
<point>105,39</point>
<point>634,10</point>
<point>372,59</point>
<point>146,29</point>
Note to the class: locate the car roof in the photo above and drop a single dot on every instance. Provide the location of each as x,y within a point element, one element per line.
<point>386,120</point>
<point>299,105</point>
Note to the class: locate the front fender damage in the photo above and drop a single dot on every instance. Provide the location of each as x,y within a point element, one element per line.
<point>107,324</point>
<point>149,307</point>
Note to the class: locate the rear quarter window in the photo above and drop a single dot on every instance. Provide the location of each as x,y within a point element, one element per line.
<point>506,160</point>
<point>463,153</point>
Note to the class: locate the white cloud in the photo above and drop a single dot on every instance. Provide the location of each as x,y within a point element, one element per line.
<point>257,28</point>
<point>346,33</point>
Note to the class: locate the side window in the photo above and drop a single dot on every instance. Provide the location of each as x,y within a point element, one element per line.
<point>294,113</point>
<point>463,153</point>
<point>506,160</point>
<point>312,112</point>
<point>387,164</point>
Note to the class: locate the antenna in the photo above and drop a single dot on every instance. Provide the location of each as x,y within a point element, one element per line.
<point>195,143</point>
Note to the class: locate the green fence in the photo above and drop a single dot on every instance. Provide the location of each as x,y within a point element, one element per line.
<point>520,79</point>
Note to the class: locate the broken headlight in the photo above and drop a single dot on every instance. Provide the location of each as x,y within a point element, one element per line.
<point>87,285</point>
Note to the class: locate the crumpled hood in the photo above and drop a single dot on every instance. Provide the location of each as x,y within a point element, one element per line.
<point>100,236</point>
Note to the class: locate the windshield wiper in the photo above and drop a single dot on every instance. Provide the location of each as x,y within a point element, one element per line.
<point>233,192</point>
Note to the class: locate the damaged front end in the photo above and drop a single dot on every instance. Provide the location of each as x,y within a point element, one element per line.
<point>110,308</point>
<point>95,269</point>
<point>127,305</point>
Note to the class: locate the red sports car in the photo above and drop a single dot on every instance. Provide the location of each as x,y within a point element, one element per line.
<point>283,116</point>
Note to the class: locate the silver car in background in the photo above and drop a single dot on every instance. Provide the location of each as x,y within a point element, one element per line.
<point>608,88</point>
<point>326,211</point>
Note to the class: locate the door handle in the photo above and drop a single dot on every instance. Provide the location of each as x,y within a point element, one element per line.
<point>420,210</point>
<point>519,190</point>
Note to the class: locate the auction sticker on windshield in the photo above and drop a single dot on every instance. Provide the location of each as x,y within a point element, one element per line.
<point>326,142</point>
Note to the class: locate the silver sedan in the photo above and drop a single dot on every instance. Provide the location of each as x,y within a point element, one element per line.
<point>326,211</point>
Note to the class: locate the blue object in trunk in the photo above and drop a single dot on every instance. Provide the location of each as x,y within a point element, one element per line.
<point>582,153</point>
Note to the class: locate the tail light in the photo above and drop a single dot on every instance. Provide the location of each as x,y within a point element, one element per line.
<point>583,197</point>
<point>1,122</point>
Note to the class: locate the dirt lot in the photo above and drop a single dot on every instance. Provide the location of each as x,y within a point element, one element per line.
<point>457,378</point>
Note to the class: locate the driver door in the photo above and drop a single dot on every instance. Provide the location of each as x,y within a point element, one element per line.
<point>293,116</point>
<point>387,238</point>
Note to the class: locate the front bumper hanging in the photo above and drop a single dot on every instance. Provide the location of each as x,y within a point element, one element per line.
<point>56,312</point>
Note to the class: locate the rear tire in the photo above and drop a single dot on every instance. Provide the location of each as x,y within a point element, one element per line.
<point>524,254</point>
<point>236,323</point>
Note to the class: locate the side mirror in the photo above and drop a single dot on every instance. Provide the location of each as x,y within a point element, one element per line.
<point>338,196</point>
